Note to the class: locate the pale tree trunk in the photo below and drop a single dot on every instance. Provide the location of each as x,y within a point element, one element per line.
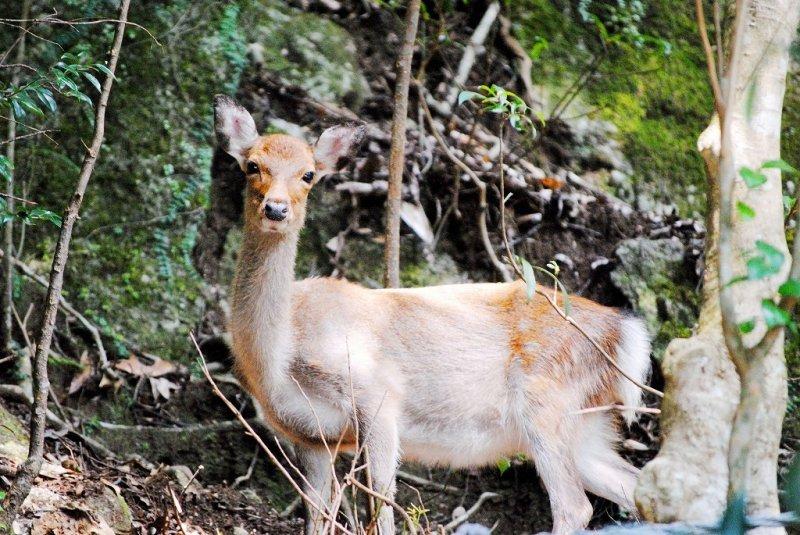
<point>7,296</point>
<point>751,131</point>
<point>688,479</point>
<point>717,437</point>
<point>397,151</point>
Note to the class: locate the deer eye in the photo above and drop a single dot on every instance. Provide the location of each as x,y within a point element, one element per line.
<point>252,168</point>
<point>308,177</point>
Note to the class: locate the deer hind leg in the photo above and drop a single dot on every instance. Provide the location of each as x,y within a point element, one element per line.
<point>551,449</point>
<point>603,472</point>
<point>316,466</point>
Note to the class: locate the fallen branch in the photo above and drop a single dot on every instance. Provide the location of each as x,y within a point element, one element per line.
<point>523,58</point>
<point>422,482</point>
<point>471,511</point>
<point>471,51</point>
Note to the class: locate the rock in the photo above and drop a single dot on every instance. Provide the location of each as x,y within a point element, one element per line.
<point>239,530</point>
<point>649,273</point>
<point>473,529</point>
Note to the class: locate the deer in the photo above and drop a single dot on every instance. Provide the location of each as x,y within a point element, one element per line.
<point>455,375</point>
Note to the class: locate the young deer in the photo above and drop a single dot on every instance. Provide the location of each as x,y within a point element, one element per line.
<point>457,375</point>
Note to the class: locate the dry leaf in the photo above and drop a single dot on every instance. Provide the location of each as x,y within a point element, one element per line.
<point>82,376</point>
<point>133,366</point>
<point>162,387</point>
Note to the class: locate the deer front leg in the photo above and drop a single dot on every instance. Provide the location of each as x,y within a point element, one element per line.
<point>316,466</point>
<point>383,453</point>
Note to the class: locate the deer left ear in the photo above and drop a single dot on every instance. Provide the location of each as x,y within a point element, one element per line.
<point>337,146</point>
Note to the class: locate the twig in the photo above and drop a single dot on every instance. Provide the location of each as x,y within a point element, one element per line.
<point>20,199</point>
<point>421,481</point>
<point>292,507</point>
<point>176,508</point>
<point>247,475</point>
<point>471,51</point>
<point>710,63</point>
<point>550,300</point>
<point>397,156</point>
<point>412,528</point>
<point>191,479</point>
<point>483,206</point>
<point>471,511</point>
<point>258,439</point>
<point>71,310</point>
<point>29,469</point>
<point>524,59</point>
<point>645,410</point>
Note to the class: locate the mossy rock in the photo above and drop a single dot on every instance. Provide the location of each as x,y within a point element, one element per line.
<point>652,274</point>
<point>306,50</point>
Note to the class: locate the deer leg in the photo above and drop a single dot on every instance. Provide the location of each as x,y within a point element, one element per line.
<point>383,454</point>
<point>552,455</point>
<point>316,466</point>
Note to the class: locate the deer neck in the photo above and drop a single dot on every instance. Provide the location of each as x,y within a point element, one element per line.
<point>261,307</point>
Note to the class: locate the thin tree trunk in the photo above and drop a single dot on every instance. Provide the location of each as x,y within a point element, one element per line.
<point>7,297</point>
<point>688,479</point>
<point>751,133</point>
<point>397,156</point>
<point>30,468</point>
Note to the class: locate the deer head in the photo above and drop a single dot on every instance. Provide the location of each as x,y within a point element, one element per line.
<point>280,169</point>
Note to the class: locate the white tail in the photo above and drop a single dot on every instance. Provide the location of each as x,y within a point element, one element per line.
<point>458,375</point>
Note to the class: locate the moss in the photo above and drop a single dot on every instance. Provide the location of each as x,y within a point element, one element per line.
<point>659,103</point>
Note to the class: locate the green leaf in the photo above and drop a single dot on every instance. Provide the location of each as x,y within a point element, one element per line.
<point>102,68</point>
<point>47,99</point>
<point>81,97</point>
<point>788,204</point>
<point>42,214</point>
<point>503,464</point>
<point>747,326</point>
<point>27,102</point>
<point>774,316</point>
<point>529,277</point>
<point>5,217</point>
<point>467,95</point>
<point>745,210</point>
<point>19,113</point>
<point>782,165</point>
<point>752,178</point>
<point>768,263</point>
<point>790,288</point>
<point>5,168</point>
<point>92,80</point>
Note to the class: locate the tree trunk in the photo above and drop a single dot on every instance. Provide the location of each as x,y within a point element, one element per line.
<point>397,152</point>
<point>41,385</point>
<point>751,132</point>
<point>7,297</point>
<point>688,479</point>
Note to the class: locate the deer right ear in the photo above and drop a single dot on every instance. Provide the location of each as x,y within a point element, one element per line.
<point>235,128</point>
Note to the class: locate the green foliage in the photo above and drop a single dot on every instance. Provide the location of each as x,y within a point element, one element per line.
<point>503,464</point>
<point>496,99</point>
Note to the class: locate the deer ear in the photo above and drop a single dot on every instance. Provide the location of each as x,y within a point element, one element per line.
<point>336,147</point>
<point>236,130</point>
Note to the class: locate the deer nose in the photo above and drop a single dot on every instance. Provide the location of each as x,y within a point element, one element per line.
<point>276,210</point>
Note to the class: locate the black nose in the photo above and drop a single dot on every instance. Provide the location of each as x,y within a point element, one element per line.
<point>276,211</point>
